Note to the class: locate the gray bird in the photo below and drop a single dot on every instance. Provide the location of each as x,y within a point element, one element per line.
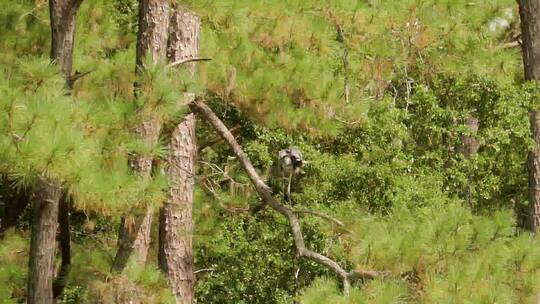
<point>290,162</point>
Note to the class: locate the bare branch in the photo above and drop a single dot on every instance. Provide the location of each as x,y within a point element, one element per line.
<point>78,75</point>
<point>234,130</point>
<point>266,195</point>
<point>509,45</point>
<point>323,216</point>
<point>186,60</point>
<point>203,270</point>
<point>345,59</point>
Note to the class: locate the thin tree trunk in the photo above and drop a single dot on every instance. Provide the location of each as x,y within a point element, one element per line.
<point>529,11</point>
<point>469,147</point>
<point>176,221</point>
<point>47,193</point>
<point>470,143</point>
<point>43,242</point>
<point>134,236</point>
<point>63,24</point>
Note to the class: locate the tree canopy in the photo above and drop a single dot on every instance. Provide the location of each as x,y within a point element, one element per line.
<point>378,96</point>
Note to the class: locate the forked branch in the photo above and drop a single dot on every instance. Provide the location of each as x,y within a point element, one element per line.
<point>266,194</point>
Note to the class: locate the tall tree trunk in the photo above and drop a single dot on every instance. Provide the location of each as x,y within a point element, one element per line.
<point>176,224</point>
<point>63,24</point>
<point>176,221</point>
<point>47,193</point>
<point>43,242</point>
<point>529,11</point>
<point>134,236</point>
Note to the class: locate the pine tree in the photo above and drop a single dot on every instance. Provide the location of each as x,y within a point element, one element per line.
<point>176,219</point>
<point>530,18</point>
<point>151,45</point>
<point>47,193</point>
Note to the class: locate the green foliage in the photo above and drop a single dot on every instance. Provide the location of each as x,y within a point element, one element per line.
<point>13,262</point>
<point>400,161</point>
<point>386,161</point>
<point>46,133</point>
<point>442,255</point>
<point>326,291</point>
<point>244,252</point>
<point>436,119</point>
<point>303,43</point>
<point>72,295</point>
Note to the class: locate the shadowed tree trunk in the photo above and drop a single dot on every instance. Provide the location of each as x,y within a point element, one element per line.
<point>43,242</point>
<point>529,11</point>
<point>134,236</point>
<point>64,239</point>
<point>176,222</point>
<point>47,193</point>
<point>63,24</point>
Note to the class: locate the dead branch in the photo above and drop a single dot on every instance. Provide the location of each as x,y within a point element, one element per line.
<point>186,60</point>
<point>78,75</point>
<point>323,216</point>
<point>266,195</point>
<point>234,130</point>
<point>204,270</point>
<point>509,45</point>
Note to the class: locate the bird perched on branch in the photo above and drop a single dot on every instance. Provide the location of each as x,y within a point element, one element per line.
<point>290,161</point>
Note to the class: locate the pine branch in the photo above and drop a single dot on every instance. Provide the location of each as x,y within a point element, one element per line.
<point>266,194</point>
<point>187,60</point>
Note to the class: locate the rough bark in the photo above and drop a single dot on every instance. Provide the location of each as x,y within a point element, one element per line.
<point>42,244</point>
<point>529,11</point>
<point>134,236</point>
<point>153,30</point>
<point>266,194</point>
<point>47,192</point>
<point>184,38</point>
<point>63,21</point>
<point>176,222</point>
